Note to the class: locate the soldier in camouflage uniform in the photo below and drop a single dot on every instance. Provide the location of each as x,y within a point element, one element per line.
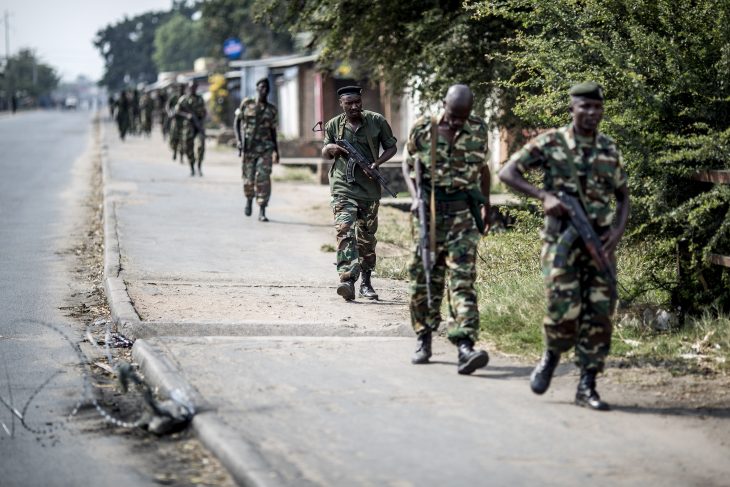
<point>461,183</point>
<point>146,106</point>
<point>176,123</point>
<point>259,146</point>
<point>580,161</point>
<point>355,204</point>
<point>192,108</point>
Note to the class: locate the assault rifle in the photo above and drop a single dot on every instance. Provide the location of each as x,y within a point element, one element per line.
<point>424,247</point>
<point>591,240</point>
<point>355,158</point>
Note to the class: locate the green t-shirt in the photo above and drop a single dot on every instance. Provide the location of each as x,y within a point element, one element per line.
<point>375,125</point>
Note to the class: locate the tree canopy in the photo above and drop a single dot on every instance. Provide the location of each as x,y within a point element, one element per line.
<point>178,42</point>
<point>26,75</point>
<point>128,46</point>
<point>238,18</point>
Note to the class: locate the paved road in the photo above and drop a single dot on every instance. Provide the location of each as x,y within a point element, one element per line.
<point>44,178</point>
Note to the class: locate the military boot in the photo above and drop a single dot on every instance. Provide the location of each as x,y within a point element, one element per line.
<point>587,395</point>
<point>174,155</point>
<point>470,359</point>
<point>366,288</point>
<point>192,168</point>
<point>249,207</point>
<point>540,378</point>
<point>423,352</point>
<point>262,214</point>
<point>346,289</point>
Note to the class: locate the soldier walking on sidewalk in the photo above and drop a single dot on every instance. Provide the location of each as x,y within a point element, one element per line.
<point>355,203</point>
<point>447,174</point>
<point>579,161</point>
<point>259,147</point>
<point>191,108</point>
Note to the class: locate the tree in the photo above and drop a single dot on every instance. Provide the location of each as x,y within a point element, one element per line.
<point>237,18</point>
<point>666,69</point>
<point>422,45</point>
<point>127,47</point>
<point>178,42</point>
<point>26,75</point>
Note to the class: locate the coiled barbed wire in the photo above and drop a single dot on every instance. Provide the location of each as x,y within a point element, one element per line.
<point>124,372</point>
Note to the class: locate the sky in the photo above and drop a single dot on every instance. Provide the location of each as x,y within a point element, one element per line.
<point>62,32</point>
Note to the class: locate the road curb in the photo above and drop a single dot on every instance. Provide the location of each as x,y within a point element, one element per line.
<point>241,458</point>
<point>120,304</point>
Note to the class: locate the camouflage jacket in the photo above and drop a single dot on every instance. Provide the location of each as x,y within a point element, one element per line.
<point>258,123</point>
<point>368,138</point>
<point>192,104</point>
<point>598,165</point>
<point>459,165</point>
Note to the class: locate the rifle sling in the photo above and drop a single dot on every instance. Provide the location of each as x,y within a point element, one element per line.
<point>570,161</point>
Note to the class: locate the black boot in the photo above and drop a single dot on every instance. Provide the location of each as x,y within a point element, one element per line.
<point>540,378</point>
<point>423,352</point>
<point>262,214</point>
<point>174,155</point>
<point>470,359</point>
<point>192,168</point>
<point>587,395</point>
<point>346,289</point>
<point>366,288</point>
<point>249,207</point>
<point>200,172</point>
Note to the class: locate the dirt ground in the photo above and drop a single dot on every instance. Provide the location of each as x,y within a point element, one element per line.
<point>177,459</point>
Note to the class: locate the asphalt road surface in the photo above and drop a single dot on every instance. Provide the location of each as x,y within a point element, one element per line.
<point>42,189</point>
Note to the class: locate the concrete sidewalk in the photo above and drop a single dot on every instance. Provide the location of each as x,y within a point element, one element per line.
<point>295,387</point>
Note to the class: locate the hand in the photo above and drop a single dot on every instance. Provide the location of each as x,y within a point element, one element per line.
<point>414,206</point>
<point>553,206</point>
<point>485,210</point>
<point>239,146</point>
<point>335,150</point>
<point>275,157</point>
<point>610,241</point>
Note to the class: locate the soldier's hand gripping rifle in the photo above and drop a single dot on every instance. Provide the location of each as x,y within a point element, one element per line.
<point>591,240</point>
<point>355,158</point>
<point>424,247</point>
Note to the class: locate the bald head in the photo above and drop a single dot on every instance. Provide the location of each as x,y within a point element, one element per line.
<point>458,103</point>
<point>459,96</point>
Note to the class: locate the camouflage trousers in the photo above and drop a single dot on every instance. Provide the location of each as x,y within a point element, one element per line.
<point>190,136</point>
<point>356,222</point>
<point>176,135</point>
<point>256,169</point>
<point>454,269</point>
<point>579,307</point>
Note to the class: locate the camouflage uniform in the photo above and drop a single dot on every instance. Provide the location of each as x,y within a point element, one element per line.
<point>192,104</point>
<point>146,105</point>
<point>259,121</point>
<point>579,303</point>
<point>458,171</point>
<point>176,124</point>
<point>355,205</point>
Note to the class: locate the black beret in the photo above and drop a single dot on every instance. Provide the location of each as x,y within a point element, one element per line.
<point>589,89</point>
<point>349,90</point>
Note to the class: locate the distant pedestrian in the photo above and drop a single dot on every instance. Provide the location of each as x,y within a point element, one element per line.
<point>122,110</point>
<point>355,202</point>
<point>579,161</point>
<point>191,108</point>
<point>448,162</point>
<point>259,146</point>
<point>13,103</point>
<point>146,106</point>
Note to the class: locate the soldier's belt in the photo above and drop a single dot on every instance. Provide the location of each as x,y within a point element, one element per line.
<point>451,206</point>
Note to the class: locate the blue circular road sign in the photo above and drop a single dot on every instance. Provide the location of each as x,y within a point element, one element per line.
<point>233,48</point>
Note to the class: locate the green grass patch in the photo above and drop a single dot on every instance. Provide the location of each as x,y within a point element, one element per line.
<point>294,174</point>
<point>327,248</point>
